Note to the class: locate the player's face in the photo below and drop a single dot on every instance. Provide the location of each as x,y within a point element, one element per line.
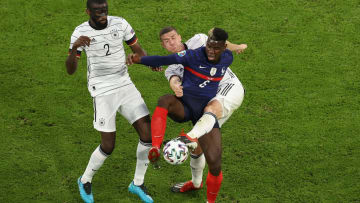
<point>98,14</point>
<point>214,49</point>
<point>171,41</point>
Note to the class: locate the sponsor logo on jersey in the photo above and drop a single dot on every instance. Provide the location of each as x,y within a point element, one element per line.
<point>114,34</point>
<point>202,67</point>
<point>93,40</point>
<point>223,71</point>
<point>213,71</point>
<point>182,53</point>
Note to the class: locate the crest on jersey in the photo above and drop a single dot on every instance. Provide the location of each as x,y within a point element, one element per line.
<point>114,34</point>
<point>101,121</point>
<point>213,71</point>
<point>181,53</point>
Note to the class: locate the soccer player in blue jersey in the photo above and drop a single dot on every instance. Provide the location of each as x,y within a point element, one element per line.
<point>203,70</point>
<point>229,97</point>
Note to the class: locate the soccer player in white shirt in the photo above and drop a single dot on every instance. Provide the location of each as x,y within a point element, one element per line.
<point>112,90</point>
<point>229,97</point>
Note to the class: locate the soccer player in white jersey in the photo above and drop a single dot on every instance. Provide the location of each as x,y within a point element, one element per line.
<point>229,97</point>
<point>112,90</point>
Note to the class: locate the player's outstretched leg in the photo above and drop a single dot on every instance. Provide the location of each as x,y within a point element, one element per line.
<point>141,192</point>
<point>158,127</point>
<point>85,191</point>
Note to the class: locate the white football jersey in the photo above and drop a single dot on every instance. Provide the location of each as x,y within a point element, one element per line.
<point>106,59</point>
<point>197,41</point>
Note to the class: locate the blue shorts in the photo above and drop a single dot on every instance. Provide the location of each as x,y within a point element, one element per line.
<point>194,108</point>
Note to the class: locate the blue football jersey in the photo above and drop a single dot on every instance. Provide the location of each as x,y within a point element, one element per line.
<point>201,77</point>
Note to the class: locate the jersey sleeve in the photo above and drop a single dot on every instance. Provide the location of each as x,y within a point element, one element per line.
<point>75,35</point>
<point>197,41</point>
<point>229,58</point>
<point>175,69</point>
<point>156,61</point>
<point>129,33</point>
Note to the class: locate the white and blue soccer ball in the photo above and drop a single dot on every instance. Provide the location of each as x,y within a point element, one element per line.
<point>175,152</point>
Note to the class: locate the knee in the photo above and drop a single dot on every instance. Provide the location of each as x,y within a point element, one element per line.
<point>214,107</point>
<point>142,127</point>
<point>165,100</point>
<point>107,147</point>
<point>214,160</point>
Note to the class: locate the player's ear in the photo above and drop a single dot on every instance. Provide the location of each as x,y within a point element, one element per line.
<point>87,11</point>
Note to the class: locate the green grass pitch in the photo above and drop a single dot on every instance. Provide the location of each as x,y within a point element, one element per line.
<point>294,139</point>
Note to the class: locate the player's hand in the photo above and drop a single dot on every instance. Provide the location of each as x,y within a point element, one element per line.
<point>81,41</point>
<point>157,69</point>
<point>240,48</point>
<point>178,90</point>
<point>154,154</point>
<point>175,85</point>
<point>133,58</point>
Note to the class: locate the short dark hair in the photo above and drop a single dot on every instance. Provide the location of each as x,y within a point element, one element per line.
<point>218,34</point>
<point>166,30</point>
<point>89,2</point>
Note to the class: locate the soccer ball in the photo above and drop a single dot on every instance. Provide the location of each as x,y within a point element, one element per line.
<point>175,152</point>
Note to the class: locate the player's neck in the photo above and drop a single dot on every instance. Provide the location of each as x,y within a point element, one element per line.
<point>97,26</point>
<point>182,47</point>
<point>185,46</point>
<point>214,62</point>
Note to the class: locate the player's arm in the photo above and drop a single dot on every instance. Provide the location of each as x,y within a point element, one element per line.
<point>137,49</point>
<point>72,60</point>
<point>238,48</point>
<point>155,61</point>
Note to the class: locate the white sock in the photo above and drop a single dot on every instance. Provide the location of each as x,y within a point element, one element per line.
<point>204,125</point>
<point>197,164</point>
<point>96,161</point>
<point>142,162</point>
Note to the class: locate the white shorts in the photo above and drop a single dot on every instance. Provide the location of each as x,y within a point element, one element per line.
<point>230,95</point>
<point>127,101</point>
